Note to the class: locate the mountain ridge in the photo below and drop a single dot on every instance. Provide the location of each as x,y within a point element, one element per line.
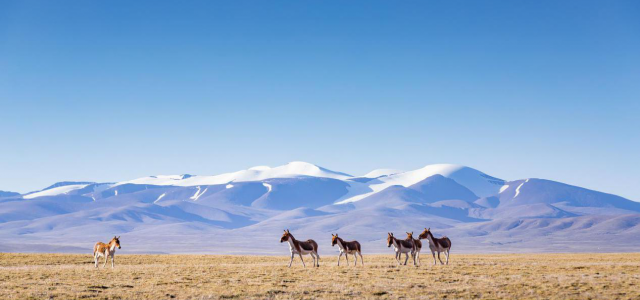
<point>259,202</point>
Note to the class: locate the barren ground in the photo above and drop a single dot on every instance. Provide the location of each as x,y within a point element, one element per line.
<point>575,276</point>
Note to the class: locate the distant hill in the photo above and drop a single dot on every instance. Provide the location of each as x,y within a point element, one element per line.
<point>8,194</point>
<point>245,211</point>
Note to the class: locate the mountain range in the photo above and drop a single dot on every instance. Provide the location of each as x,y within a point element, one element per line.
<point>245,212</point>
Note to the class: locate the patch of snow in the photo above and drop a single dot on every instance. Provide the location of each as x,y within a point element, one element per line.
<point>198,194</point>
<point>518,189</point>
<point>504,188</point>
<point>116,192</point>
<point>268,186</point>
<point>160,197</point>
<point>56,191</point>
<point>229,186</point>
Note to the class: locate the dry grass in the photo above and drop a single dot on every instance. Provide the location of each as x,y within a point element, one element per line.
<point>519,276</point>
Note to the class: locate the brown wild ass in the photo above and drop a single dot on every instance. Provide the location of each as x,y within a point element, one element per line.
<point>400,247</point>
<point>301,248</point>
<point>106,250</point>
<point>442,244</point>
<point>347,248</point>
<point>417,247</point>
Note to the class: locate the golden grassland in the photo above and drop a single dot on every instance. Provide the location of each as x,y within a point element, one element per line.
<point>574,276</point>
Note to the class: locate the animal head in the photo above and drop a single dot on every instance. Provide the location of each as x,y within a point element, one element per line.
<point>410,235</point>
<point>117,241</point>
<point>334,239</point>
<point>425,233</point>
<point>285,237</point>
<point>389,239</point>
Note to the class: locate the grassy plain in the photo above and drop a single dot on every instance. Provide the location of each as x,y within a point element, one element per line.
<point>491,276</point>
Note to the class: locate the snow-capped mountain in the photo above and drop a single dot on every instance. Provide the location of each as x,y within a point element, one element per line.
<point>292,169</point>
<point>477,211</point>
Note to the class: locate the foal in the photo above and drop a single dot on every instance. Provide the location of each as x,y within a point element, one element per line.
<point>301,248</point>
<point>106,250</point>
<point>417,247</point>
<point>400,247</point>
<point>437,245</point>
<point>347,248</point>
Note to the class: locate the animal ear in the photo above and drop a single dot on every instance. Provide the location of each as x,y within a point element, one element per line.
<point>118,237</point>
<point>429,229</point>
<point>412,233</point>
<point>287,230</point>
<point>336,235</point>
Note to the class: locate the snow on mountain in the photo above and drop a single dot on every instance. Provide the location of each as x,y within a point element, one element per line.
<point>65,189</point>
<point>381,172</point>
<point>69,188</point>
<point>292,169</point>
<point>438,187</point>
<point>432,189</point>
<point>479,183</point>
<point>63,183</point>
<point>479,212</point>
<point>532,191</point>
<point>291,193</point>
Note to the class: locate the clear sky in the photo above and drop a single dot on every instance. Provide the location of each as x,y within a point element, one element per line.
<point>115,90</point>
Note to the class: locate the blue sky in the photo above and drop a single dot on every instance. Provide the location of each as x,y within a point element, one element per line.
<point>115,90</point>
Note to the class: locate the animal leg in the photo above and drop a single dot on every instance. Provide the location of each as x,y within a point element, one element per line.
<point>339,257</point>
<point>434,257</point>
<point>406,258</point>
<point>317,259</point>
<point>439,258</point>
<point>447,253</point>
<point>95,258</point>
<point>112,259</point>
<point>105,261</point>
<point>302,260</point>
<point>346,255</point>
<point>361,259</point>
<point>355,256</point>
<point>291,261</point>
<point>418,257</point>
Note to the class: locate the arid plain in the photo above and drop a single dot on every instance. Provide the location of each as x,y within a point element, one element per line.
<point>491,276</point>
